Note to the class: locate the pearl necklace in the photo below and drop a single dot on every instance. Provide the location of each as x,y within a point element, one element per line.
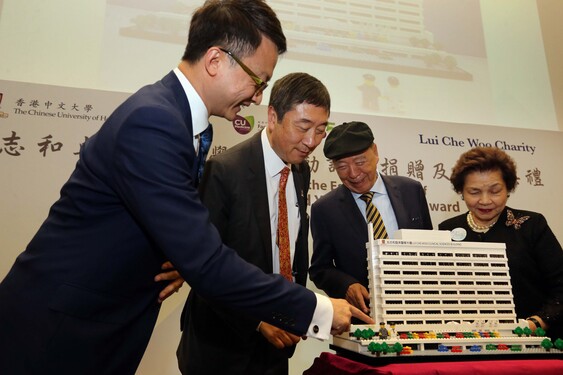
<point>476,227</point>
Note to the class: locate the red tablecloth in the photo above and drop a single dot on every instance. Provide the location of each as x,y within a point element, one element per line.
<point>332,364</point>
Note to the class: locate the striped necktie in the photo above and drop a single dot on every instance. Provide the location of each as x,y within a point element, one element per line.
<point>373,216</point>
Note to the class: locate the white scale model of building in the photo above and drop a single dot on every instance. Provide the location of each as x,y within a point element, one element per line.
<point>431,296</point>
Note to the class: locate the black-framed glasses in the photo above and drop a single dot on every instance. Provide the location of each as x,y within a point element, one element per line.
<point>260,83</point>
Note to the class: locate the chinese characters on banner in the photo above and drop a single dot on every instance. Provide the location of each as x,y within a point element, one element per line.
<point>43,108</point>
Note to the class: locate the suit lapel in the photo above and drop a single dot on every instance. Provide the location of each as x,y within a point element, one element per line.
<point>257,180</point>
<point>350,213</point>
<point>299,189</point>
<point>172,83</point>
<point>397,202</point>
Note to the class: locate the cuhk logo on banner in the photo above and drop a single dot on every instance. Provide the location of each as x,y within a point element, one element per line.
<point>243,125</point>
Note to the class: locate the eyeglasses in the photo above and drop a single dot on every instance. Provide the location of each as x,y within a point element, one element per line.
<point>260,84</point>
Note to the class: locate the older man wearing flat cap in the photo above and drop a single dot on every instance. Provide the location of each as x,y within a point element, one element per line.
<point>339,218</point>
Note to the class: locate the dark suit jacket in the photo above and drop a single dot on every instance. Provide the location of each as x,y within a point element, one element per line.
<point>81,299</point>
<point>535,262</point>
<point>340,232</point>
<point>234,190</point>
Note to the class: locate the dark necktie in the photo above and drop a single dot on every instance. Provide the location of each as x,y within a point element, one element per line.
<point>283,228</point>
<point>205,139</point>
<point>373,216</point>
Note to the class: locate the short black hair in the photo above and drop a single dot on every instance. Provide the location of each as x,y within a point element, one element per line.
<point>235,25</point>
<point>297,88</point>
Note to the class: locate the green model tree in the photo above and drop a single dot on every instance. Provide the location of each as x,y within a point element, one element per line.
<point>540,332</point>
<point>357,333</point>
<point>559,344</point>
<point>547,344</point>
<point>519,331</point>
<point>398,347</point>
<point>374,348</point>
<point>368,333</point>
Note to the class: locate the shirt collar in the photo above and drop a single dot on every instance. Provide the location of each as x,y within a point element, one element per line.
<point>200,116</point>
<point>379,187</point>
<point>274,164</point>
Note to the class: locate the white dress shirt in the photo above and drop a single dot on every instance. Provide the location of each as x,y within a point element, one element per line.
<point>382,203</point>
<point>274,165</point>
<point>200,116</point>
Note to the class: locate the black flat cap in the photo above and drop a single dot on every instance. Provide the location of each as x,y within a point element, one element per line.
<point>347,139</point>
